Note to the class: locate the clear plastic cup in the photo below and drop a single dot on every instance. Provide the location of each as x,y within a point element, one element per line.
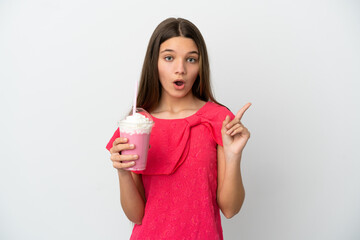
<point>137,130</point>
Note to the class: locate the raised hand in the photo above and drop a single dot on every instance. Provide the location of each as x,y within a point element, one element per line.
<point>234,134</point>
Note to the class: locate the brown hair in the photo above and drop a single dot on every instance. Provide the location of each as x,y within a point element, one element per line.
<point>150,88</point>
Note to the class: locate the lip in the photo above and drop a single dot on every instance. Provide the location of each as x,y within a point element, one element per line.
<point>181,86</point>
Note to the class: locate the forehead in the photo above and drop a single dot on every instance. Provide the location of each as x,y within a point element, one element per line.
<point>179,44</point>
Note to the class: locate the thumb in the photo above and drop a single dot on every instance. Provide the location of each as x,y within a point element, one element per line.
<point>225,122</point>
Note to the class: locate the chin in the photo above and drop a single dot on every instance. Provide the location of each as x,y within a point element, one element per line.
<point>182,94</point>
<point>178,95</point>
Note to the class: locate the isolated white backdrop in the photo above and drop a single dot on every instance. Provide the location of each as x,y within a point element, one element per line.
<point>67,71</point>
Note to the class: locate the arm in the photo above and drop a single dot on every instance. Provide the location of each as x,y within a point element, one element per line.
<point>231,192</point>
<point>132,194</point>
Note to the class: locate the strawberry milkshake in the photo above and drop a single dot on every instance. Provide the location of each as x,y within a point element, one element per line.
<point>137,128</point>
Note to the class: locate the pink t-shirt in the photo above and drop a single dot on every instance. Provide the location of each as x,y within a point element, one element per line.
<point>180,180</point>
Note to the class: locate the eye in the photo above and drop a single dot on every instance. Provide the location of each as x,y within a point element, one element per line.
<point>168,58</point>
<point>192,60</point>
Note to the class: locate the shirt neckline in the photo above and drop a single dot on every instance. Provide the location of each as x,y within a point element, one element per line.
<point>174,119</point>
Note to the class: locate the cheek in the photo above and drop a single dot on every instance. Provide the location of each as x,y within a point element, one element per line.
<point>161,73</point>
<point>163,70</point>
<point>194,73</point>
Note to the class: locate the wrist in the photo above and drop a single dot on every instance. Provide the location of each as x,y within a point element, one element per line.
<point>123,173</point>
<point>233,157</point>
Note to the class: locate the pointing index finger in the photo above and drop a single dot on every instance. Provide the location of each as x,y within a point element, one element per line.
<point>241,112</point>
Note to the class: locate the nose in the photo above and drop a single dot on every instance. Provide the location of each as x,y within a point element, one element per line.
<point>180,67</point>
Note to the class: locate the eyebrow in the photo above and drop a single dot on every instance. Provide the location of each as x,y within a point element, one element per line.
<point>170,50</point>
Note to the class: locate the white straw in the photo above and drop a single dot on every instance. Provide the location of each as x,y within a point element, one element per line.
<point>135,96</point>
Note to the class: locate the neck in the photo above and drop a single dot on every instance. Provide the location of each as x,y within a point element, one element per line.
<point>170,107</point>
<point>168,103</point>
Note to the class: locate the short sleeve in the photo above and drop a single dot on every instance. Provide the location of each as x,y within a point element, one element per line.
<point>115,136</point>
<point>215,116</point>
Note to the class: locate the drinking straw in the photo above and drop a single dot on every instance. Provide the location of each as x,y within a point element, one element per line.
<point>135,96</point>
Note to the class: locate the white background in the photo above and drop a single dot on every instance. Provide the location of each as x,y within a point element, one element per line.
<point>67,71</point>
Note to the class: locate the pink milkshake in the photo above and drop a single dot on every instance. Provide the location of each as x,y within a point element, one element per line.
<point>137,128</point>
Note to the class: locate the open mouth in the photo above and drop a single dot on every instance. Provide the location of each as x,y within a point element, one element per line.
<point>179,83</point>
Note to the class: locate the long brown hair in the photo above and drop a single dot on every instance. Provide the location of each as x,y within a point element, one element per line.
<point>150,88</point>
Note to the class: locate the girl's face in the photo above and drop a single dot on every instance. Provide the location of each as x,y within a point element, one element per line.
<point>178,66</point>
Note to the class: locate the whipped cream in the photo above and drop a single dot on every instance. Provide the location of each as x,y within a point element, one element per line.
<point>136,124</point>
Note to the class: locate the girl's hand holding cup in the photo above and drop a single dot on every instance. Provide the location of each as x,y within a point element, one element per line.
<point>121,162</point>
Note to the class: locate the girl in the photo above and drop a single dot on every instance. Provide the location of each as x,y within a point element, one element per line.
<point>193,167</point>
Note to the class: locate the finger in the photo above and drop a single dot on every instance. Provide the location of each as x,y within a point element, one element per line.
<point>242,111</point>
<point>243,131</point>
<point>126,157</point>
<point>236,126</point>
<point>237,131</point>
<point>121,165</point>
<point>225,122</point>
<point>120,147</point>
<point>232,123</point>
<point>120,140</point>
